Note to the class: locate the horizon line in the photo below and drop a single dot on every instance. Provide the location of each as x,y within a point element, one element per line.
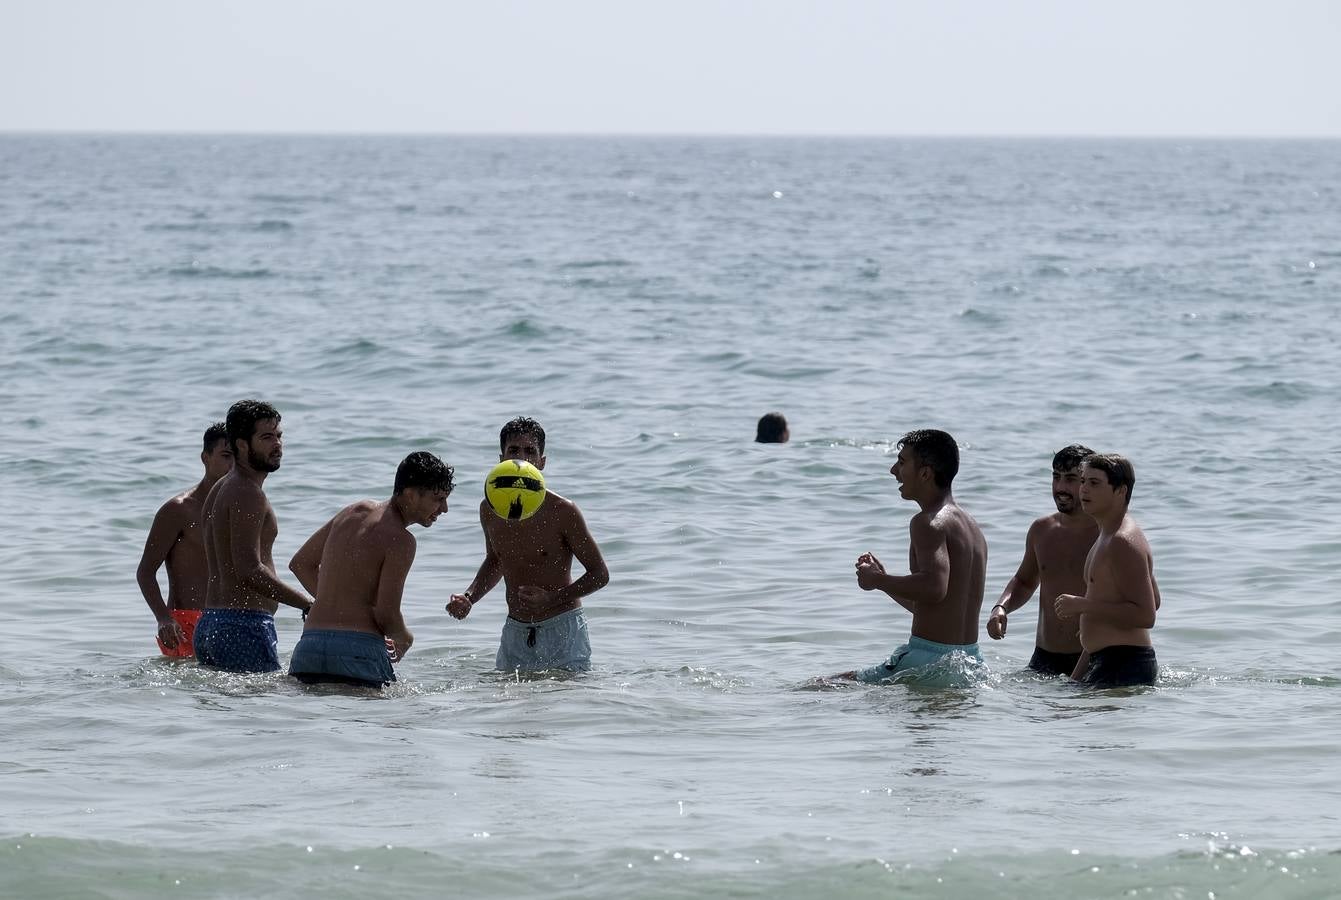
<point>1063,136</point>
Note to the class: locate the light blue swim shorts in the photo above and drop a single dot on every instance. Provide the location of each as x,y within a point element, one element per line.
<point>919,653</point>
<point>559,642</point>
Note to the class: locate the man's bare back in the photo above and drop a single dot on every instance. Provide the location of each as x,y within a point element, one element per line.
<point>356,565</point>
<point>176,542</point>
<point>954,618</point>
<point>355,546</point>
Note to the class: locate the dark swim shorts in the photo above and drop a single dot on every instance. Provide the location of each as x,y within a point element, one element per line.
<point>1046,662</point>
<point>1121,666</point>
<point>341,657</point>
<point>237,640</point>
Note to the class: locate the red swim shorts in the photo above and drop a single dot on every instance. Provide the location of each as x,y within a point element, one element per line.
<point>187,619</point>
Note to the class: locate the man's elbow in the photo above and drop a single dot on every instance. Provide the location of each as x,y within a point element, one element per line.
<point>600,576</point>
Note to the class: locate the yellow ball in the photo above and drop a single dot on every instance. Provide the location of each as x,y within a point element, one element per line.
<point>515,489</point>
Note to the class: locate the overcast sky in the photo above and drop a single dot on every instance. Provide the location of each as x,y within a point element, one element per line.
<point>930,67</point>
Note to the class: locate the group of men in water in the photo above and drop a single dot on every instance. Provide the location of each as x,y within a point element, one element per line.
<point>1090,561</point>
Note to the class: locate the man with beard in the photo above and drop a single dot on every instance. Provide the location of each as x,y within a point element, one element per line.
<point>1121,596</point>
<point>174,541</point>
<point>1053,564</point>
<point>237,630</point>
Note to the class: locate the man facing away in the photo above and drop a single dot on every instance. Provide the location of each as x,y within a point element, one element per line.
<point>1054,563</point>
<point>355,565</point>
<point>947,561</point>
<point>237,630</point>
<point>1121,597</point>
<point>175,541</point>
<point>545,628</point>
<point>772,429</point>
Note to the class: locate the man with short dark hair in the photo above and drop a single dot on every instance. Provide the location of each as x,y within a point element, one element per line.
<point>947,561</point>
<point>1121,596</point>
<point>237,630</point>
<point>546,628</point>
<point>772,429</point>
<point>175,541</point>
<point>356,565</point>
<point>1054,563</point>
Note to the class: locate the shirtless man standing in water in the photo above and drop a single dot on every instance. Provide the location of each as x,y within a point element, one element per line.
<point>545,628</point>
<point>355,565</point>
<point>237,631</point>
<point>1121,597</point>
<point>1054,563</point>
<point>175,541</point>
<point>947,562</point>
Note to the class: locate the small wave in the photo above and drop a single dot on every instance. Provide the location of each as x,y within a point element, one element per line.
<point>195,271</point>
<point>596,264</point>
<point>271,225</point>
<point>291,198</point>
<point>1281,391</point>
<point>360,348</point>
<point>795,373</point>
<point>980,317</point>
<point>524,328</point>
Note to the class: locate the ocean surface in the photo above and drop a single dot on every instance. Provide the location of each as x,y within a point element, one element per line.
<point>647,299</point>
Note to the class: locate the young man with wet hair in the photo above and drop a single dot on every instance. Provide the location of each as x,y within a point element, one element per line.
<point>546,628</point>
<point>237,631</point>
<point>947,562</point>
<point>175,541</point>
<point>1121,596</point>
<point>1054,563</point>
<point>772,429</point>
<point>356,565</point>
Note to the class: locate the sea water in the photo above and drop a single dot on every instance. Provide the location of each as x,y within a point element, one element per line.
<point>647,299</point>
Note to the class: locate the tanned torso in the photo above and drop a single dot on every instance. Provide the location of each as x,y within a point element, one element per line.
<point>188,574</point>
<point>536,552</point>
<point>233,498</point>
<point>1060,551</point>
<point>1120,567</point>
<point>953,620</point>
<point>357,542</point>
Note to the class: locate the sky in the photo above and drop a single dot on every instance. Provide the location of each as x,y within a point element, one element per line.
<point>1193,68</point>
